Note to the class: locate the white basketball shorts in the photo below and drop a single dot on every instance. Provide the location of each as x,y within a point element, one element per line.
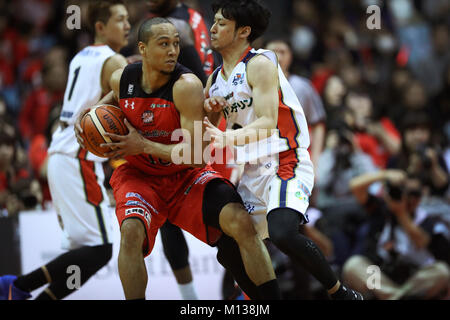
<point>80,201</point>
<point>283,180</point>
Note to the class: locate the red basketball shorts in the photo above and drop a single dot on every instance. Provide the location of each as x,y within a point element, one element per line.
<point>153,199</point>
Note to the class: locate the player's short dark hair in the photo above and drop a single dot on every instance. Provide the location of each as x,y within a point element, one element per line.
<point>245,13</point>
<point>145,30</point>
<point>100,10</point>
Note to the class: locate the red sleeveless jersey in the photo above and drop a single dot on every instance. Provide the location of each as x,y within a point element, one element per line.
<point>153,115</point>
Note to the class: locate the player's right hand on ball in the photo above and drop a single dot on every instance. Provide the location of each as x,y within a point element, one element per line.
<point>78,129</point>
<point>215,104</point>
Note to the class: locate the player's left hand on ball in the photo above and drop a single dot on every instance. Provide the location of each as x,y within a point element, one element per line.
<point>78,129</point>
<point>128,145</point>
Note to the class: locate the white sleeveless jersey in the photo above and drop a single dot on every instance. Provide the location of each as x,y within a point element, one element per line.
<point>83,90</point>
<point>292,127</point>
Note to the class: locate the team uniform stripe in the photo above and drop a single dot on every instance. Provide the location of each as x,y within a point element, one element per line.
<point>91,188</point>
<point>93,193</point>
<point>288,160</point>
<point>286,117</point>
<point>101,223</point>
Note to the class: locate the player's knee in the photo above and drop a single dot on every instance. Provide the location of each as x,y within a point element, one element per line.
<point>132,234</point>
<point>279,236</point>
<point>283,227</point>
<point>236,222</point>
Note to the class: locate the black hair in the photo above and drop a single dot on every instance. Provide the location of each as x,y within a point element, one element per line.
<point>285,40</point>
<point>100,11</point>
<point>245,13</point>
<point>415,119</point>
<point>145,30</point>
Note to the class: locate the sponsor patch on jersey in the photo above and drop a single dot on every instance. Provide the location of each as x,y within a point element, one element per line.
<point>141,212</point>
<point>238,79</point>
<point>147,117</point>
<point>160,105</point>
<point>155,133</point>
<point>127,104</point>
<point>130,89</point>
<point>236,106</point>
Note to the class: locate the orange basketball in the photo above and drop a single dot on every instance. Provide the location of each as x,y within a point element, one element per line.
<point>101,119</point>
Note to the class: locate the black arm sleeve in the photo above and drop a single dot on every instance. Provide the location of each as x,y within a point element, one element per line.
<point>190,59</point>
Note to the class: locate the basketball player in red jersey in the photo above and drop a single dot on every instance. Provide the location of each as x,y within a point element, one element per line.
<point>196,55</point>
<point>159,97</point>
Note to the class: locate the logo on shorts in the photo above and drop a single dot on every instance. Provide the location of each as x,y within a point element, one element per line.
<point>249,207</point>
<point>204,176</point>
<point>303,188</point>
<point>130,89</point>
<point>140,212</point>
<point>137,195</point>
<point>301,196</point>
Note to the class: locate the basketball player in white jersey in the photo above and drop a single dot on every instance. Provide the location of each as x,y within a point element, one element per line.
<point>75,176</point>
<point>257,100</point>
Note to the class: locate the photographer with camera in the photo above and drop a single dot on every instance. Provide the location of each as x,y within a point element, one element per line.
<point>375,134</point>
<point>420,157</point>
<point>400,239</point>
<point>18,190</point>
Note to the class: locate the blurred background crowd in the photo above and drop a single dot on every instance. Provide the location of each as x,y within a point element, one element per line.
<point>377,102</point>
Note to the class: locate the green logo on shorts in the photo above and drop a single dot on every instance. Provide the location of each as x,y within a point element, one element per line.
<point>299,195</point>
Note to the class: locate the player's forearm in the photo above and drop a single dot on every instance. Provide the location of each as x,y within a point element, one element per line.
<point>416,233</point>
<point>364,181</point>
<point>260,129</point>
<point>438,176</point>
<point>109,98</point>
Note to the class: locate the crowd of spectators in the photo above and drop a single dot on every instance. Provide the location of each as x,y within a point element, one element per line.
<point>383,96</point>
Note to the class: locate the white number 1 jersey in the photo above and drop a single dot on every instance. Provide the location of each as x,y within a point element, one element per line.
<point>292,126</point>
<point>83,90</point>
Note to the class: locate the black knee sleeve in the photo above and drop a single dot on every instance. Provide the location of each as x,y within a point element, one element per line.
<point>283,225</point>
<point>284,233</point>
<point>229,257</point>
<point>175,246</point>
<point>218,194</point>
